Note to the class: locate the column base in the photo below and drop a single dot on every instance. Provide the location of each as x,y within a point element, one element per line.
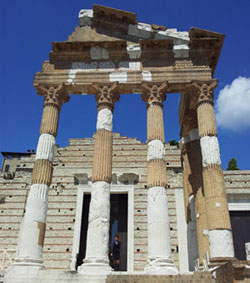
<point>220,244</point>
<point>23,271</point>
<point>161,266</point>
<point>94,268</point>
<point>28,262</point>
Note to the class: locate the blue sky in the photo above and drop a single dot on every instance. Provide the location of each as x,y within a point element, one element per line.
<point>28,27</point>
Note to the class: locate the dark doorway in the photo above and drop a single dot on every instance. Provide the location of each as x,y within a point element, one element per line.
<point>240,221</point>
<point>118,225</point>
<point>84,229</point>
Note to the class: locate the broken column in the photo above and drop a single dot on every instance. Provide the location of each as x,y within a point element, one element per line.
<point>159,251</point>
<point>32,231</point>
<point>219,226</point>
<point>96,258</point>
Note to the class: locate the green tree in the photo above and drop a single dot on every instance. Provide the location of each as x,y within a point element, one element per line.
<point>232,164</point>
<point>174,142</point>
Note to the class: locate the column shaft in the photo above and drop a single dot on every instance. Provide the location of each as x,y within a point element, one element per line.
<point>96,258</point>
<point>98,228</point>
<point>32,231</point>
<point>187,187</point>
<point>102,162</point>
<point>201,225</point>
<point>157,175</point>
<point>200,205</point>
<point>206,120</point>
<point>159,251</point>
<point>193,186</point>
<point>50,118</point>
<point>219,234</point>
<point>155,131</point>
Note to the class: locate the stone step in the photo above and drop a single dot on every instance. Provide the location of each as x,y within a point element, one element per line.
<point>194,278</point>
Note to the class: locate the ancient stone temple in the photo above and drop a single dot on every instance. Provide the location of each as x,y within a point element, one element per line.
<point>179,217</point>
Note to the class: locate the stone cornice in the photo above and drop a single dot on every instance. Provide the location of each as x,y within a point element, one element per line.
<point>201,51</point>
<point>82,51</point>
<point>114,29</point>
<point>156,49</point>
<point>107,14</point>
<point>81,46</point>
<point>205,47</point>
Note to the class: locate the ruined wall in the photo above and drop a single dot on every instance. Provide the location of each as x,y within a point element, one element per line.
<point>72,165</point>
<point>13,195</point>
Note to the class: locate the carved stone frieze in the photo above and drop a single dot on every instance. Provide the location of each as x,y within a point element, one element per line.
<point>106,95</point>
<point>53,95</point>
<point>154,93</point>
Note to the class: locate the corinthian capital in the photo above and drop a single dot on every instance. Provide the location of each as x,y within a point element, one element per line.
<point>106,94</point>
<point>204,91</point>
<point>53,95</point>
<point>154,93</point>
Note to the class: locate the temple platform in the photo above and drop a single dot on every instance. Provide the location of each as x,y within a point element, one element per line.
<point>46,276</point>
<point>226,273</point>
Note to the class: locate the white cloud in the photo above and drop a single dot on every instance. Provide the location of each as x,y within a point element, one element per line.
<point>233,105</point>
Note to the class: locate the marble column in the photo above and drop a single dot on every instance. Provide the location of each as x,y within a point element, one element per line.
<point>247,249</point>
<point>32,231</point>
<point>200,204</point>
<point>96,258</point>
<point>187,187</point>
<point>219,226</point>
<point>159,251</point>
<point>193,185</point>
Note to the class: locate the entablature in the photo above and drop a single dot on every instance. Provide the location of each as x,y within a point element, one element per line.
<point>81,76</point>
<point>111,46</point>
<point>110,34</point>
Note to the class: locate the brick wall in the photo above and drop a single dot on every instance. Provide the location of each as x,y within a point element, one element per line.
<point>129,156</point>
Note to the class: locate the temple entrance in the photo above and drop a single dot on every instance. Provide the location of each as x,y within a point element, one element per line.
<point>240,221</point>
<point>118,225</point>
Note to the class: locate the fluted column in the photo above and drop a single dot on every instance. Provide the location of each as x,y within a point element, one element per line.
<point>192,175</point>
<point>159,251</point>
<point>32,231</point>
<point>96,259</point>
<point>219,226</point>
<point>187,187</point>
<point>193,184</point>
<point>200,205</point>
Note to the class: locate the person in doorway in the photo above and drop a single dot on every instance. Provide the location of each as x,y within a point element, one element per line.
<point>116,252</point>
